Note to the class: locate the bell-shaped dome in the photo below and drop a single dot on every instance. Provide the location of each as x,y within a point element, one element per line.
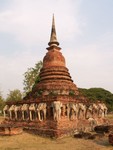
<point>53,58</point>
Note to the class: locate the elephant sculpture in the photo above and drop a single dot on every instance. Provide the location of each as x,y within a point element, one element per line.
<point>105,109</point>
<point>89,110</point>
<point>72,111</point>
<point>6,110</point>
<point>82,108</point>
<point>56,105</point>
<point>32,110</point>
<point>102,110</point>
<point>17,111</point>
<point>93,109</point>
<point>12,111</point>
<point>41,110</point>
<point>25,111</point>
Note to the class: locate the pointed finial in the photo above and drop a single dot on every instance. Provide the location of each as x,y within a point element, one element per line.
<point>53,38</point>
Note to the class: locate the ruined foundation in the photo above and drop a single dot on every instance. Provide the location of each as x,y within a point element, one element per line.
<point>54,107</point>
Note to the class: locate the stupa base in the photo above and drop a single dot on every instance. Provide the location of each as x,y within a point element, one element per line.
<point>53,129</point>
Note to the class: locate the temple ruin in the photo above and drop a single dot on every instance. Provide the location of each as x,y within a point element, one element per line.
<point>54,107</point>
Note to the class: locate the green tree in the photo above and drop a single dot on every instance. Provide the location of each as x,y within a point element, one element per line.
<point>95,94</point>
<point>14,96</point>
<point>2,102</point>
<point>31,77</point>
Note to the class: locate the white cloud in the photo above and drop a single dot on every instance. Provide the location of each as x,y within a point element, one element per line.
<point>13,68</point>
<point>92,65</point>
<point>30,20</point>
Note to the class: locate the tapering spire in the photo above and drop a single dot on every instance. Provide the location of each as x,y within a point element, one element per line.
<point>53,38</point>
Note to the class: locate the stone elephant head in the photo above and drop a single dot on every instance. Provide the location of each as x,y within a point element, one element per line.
<point>6,110</point>
<point>72,110</point>
<point>42,108</point>
<point>56,105</point>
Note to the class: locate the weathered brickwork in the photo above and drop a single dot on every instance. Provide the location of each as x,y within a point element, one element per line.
<point>54,107</point>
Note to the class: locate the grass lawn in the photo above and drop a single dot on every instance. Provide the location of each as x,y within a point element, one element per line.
<point>27,141</point>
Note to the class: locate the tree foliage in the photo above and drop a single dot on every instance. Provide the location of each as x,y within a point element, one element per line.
<point>95,94</point>
<point>2,103</point>
<point>14,96</point>
<point>31,77</point>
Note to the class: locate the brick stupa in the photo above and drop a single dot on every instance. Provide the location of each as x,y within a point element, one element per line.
<point>55,86</point>
<point>55,79</point>
<point>54,107</point>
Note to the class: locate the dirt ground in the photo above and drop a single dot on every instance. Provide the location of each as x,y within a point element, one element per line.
<point>27,141</point>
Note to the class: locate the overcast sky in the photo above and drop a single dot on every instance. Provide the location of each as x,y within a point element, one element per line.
<point>84,31</point>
